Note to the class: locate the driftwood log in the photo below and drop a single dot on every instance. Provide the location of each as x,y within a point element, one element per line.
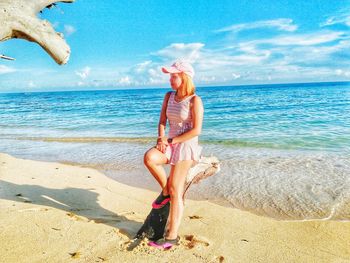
<point>18,19</point>
<point>207,166</point>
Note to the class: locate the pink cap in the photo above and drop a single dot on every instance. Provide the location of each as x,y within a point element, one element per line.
<point>180,66</point>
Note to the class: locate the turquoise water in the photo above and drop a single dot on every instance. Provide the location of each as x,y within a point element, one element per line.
<point>280,146</point>
<point>298,116</point>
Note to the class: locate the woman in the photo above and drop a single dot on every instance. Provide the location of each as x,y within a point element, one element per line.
<point>184,111</point>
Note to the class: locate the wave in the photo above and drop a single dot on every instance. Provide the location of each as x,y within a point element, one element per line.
<point>299,187</point>
<point>292,145</point>
<point>237,143</point>
<point>90,139</point>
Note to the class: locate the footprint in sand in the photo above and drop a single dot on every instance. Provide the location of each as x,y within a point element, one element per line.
<point>75,255</point>
<point>195,217</point>
<point>103,259</point>
<point>192,241</point>
<point>221,259</point>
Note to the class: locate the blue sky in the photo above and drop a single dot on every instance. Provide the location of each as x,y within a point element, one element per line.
<point>123,44</point>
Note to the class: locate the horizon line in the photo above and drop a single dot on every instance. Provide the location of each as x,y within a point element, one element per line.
<point>209,86</point>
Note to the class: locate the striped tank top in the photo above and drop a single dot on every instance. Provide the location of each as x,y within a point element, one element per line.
<point>179,115</point>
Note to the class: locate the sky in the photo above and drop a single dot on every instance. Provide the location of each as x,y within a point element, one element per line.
<point>123,44</point>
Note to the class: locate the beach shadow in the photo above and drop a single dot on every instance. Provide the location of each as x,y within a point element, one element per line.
<point>80,204</point>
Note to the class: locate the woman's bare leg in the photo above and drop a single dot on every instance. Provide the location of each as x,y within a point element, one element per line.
<point>176,184</point>
<point>154,161</point>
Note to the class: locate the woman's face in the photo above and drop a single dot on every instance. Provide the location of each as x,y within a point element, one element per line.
<point>175,81</point>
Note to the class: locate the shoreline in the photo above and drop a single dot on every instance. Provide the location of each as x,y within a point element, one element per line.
<point>53,212</point>
<point>289,186</point>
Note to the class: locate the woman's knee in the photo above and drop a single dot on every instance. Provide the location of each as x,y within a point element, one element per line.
<point>147,158</point>
<point>150,157</point>
<point>154,157</point>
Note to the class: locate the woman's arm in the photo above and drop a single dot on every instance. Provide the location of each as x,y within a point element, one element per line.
<point>161,141</point>
<point>197,118</point>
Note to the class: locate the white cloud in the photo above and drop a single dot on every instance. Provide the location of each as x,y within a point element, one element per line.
<point>5,69</point>
<point>69,30</point>
<point>319,55</point>
<point>31,84</point>
<point>207,79</point>
<point>282,24</point>
<point>247,61</point>
<point>141,67</point>
<point>310,39</point>
<point>211,65</point>
<point>142,74</point>
<point>126,80</point>
<point>236,76</point>
<point>226,61</point>
<point>156,76</point>
<point>189,52</point>
<point>341,72</point>
<point>84,73</point>
<point>342,17</point>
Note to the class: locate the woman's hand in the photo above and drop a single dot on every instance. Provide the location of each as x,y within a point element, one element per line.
<point>162,143</point>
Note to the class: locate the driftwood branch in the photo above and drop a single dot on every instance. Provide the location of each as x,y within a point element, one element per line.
<point>18,20</point>
<point>207,166</point>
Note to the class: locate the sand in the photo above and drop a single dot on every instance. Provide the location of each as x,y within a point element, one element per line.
<point>53,212</point>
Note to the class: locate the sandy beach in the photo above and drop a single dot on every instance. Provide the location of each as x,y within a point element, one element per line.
<point>51,212</point>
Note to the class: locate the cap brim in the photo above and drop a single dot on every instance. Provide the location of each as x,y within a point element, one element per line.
<point>170,70</point>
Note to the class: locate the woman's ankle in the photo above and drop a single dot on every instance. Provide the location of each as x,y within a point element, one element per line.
<point>171,235</point>
<point>165,192</point>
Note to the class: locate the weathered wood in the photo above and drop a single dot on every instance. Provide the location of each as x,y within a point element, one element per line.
<point>18,20</point>
<point>207,166</point>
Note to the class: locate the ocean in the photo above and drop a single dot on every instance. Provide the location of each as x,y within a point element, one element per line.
<point>284,149</point>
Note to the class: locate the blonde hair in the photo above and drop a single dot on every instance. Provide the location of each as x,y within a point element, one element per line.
<point>187,84</point>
